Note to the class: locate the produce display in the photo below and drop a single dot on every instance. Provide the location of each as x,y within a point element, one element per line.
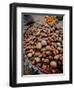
<point>43,46</point>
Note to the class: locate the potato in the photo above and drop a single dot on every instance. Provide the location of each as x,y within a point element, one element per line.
<point>53,64</point>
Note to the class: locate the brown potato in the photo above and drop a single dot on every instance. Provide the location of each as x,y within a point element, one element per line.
<point>53,64</point>
<point>56,57</point>
<point>29,55</point>
<point>39,46</point>
<point>43,42</point>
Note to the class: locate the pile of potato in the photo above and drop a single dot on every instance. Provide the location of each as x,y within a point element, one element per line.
<point>44,47</point>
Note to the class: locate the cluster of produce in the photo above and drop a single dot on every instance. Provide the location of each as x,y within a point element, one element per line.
<point>43,45</point>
